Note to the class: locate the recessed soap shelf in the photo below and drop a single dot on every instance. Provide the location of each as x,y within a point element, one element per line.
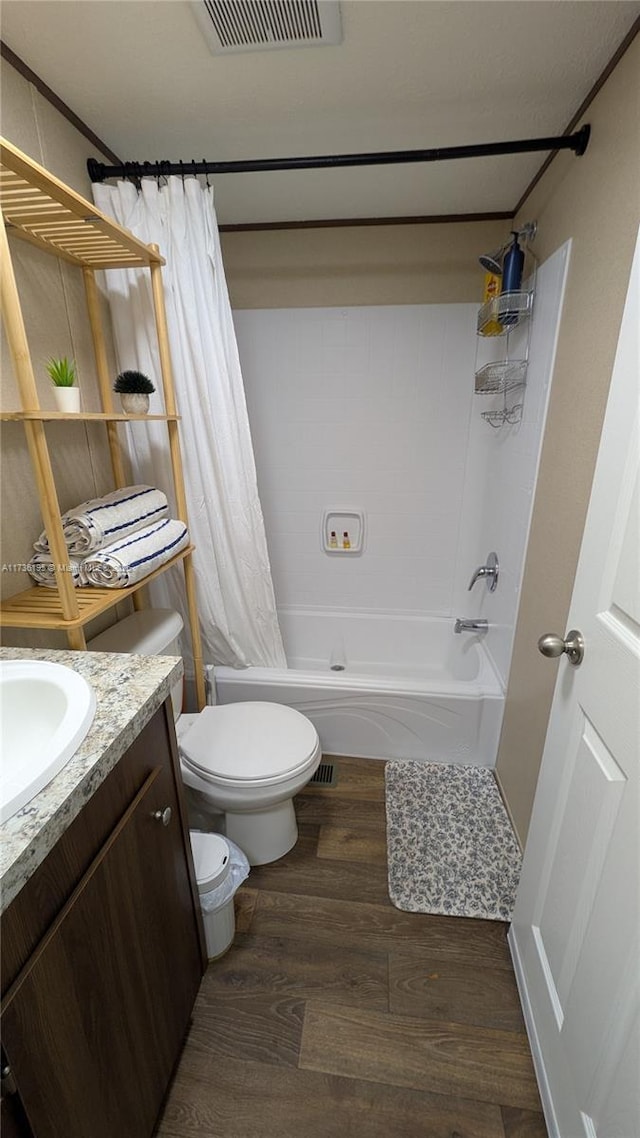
<point>340,522</point>
<point>504,312</point>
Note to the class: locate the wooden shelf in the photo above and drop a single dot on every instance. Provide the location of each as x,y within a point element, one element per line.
<point>43,211</point>
<point>82,416</point>
<point>40,209</point>
<point>40,607</point>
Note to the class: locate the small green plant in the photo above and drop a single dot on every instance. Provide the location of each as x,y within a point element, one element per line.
<point>133,383</point>
<point>62,373</point>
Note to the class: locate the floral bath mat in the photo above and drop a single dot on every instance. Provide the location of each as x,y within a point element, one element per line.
<point>451,848</point>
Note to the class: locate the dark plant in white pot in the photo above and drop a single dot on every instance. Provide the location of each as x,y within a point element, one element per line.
<point>134,390</point>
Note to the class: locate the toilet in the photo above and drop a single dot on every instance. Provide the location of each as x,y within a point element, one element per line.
<point>242,761</point>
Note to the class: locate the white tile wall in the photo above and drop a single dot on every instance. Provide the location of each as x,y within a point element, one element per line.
<point>501,477</point>
<point>373,409</point>
<point>361,408</point>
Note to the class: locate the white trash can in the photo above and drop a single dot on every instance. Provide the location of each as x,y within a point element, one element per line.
<point>220,868</point>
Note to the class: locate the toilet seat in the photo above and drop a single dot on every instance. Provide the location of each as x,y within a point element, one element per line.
<point>249,744</point>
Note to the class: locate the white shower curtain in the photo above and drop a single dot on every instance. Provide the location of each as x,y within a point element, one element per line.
<point>235,590</point>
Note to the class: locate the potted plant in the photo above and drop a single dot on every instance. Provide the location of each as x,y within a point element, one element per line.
<point>62,373</point>
<point>134,390</point>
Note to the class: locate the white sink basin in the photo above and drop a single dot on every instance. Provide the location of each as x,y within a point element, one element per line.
<point>45,712</point>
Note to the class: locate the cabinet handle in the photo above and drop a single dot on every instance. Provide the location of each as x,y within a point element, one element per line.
<point>7,1081</point>
<point>163,816</point>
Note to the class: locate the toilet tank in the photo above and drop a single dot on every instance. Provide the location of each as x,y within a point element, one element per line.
<point>150,632</point>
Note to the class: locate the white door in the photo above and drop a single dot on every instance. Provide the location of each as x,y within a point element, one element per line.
<point>575,932</point>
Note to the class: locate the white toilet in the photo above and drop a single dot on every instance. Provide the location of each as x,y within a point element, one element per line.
<point>243,760</point>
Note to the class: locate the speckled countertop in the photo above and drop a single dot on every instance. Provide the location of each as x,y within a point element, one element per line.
<point>129,690</point>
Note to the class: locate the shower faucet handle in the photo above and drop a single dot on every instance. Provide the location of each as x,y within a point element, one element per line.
<point>490,572</point>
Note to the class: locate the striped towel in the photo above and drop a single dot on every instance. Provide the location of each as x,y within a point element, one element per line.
<point>41,569</point>
<point>101,521</point>
<point>127,562</point>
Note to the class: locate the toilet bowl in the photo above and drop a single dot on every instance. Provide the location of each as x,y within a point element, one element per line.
<point>240,762</point>
<point>249,760</point>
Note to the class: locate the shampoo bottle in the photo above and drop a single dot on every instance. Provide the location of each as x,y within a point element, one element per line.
<point>512,276</point>
<point>513,265</point>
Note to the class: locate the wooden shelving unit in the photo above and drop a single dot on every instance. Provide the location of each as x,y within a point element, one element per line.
<point>38,208</point>
<point>40,607</point>
<point>89,416</point>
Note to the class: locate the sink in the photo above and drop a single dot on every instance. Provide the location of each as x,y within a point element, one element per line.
<point>45,712</point>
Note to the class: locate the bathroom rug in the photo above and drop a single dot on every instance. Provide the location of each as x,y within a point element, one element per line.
<point>451,848</point>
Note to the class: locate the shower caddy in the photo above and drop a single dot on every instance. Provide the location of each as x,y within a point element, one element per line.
<point>40,209</point>
<point>510,310</point>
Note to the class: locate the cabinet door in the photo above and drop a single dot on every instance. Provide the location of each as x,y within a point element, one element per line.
<point>94,1023</point>
<point>13,1123</point>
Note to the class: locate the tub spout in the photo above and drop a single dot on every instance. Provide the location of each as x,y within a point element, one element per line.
<point>469,624</point>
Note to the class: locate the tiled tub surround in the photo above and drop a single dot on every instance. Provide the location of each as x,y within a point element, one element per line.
<point>409,689</point>
<point>129,690</point>
<point>361,409</point>
<point>374,409</point>
<point>502,468</point>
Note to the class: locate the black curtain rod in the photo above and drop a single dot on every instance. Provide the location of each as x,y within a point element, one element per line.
<point>577,142</point>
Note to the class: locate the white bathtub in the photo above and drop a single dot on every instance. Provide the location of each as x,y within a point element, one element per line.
<point>410,689</point>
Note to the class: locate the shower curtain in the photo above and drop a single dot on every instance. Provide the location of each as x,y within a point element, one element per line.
<point>235,590</point>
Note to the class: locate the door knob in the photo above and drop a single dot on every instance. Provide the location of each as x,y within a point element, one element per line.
<point>552,646</point>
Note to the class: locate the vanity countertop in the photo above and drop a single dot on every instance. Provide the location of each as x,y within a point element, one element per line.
<point>129,690</point>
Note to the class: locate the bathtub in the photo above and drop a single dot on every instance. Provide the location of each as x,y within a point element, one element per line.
<point>383,687</point>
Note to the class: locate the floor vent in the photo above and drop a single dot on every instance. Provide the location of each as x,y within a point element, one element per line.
<point>263,25</point>
<point>326,775</point>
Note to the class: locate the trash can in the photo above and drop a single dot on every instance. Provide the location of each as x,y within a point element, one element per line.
<point>220,868</point>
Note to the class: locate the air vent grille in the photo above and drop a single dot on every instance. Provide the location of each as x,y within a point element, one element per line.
<point>262,25</point>
<point>325,775</point>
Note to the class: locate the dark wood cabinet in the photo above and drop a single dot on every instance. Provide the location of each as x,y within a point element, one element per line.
<point>94,1020</point>
<point>13,1120</point>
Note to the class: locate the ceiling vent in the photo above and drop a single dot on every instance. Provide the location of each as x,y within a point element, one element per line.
<point>264,25</point>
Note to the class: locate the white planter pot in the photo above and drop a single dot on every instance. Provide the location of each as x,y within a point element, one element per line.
<point>67,399</point>
<point>134,403</point>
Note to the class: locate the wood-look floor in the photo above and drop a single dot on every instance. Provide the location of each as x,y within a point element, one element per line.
<point>335,1014</point>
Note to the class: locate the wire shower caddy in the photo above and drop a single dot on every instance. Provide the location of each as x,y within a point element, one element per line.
<point>498,320</point>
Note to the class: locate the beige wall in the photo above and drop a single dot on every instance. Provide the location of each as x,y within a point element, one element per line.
<point>54,309</point>
<point>386,264</point>
<point>595,200</point>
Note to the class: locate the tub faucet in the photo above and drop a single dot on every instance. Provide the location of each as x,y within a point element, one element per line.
<point>490,571</point>
<point>470,624</point>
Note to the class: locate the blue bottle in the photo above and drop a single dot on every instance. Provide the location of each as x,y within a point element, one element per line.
<point>512,276</point>
<point>512,267</point>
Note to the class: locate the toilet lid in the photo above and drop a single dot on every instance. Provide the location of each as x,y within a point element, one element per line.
<point>211,859</point>
<point>249,741</point>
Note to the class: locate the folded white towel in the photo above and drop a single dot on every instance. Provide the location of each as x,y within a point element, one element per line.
<point>41,569</point>
<point>127,562</point>
<point>101,521</point>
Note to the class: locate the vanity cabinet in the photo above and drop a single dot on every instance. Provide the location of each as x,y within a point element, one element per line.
<point>98,1002</point>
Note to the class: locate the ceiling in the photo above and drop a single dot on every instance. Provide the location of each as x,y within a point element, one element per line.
<point>409,74</point>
